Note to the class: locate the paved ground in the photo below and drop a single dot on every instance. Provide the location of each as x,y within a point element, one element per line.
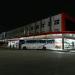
<point>36,62</point>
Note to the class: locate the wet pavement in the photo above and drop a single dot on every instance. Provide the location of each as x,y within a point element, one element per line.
<point>36,62</point>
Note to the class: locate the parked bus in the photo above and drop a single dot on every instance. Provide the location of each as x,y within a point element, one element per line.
<point>38,44</point>
<point>50,44</point>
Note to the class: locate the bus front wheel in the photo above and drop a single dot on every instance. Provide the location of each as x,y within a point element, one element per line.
<point>24,48</point>
<point>44,48</point>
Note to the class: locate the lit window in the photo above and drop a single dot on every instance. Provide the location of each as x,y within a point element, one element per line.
<point>56,22</point>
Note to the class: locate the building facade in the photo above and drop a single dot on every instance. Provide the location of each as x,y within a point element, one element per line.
<point>57,23</point>
<point>60,27</point>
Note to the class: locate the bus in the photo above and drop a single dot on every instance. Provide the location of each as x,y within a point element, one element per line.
<point>38,44</point>
<point>50,44</point>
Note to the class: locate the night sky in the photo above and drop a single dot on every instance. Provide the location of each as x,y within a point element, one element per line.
<point>16,14</point>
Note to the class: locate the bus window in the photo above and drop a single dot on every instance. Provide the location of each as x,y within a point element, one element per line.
<point>30,41</point>
<point>22,41</point>
<point>40,41</point>
<point>50,41</point>
<point>33,41</point>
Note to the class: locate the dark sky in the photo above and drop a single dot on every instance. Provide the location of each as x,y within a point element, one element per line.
<point>15,14</point>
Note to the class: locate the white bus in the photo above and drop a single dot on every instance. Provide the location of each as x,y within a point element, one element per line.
<point>51,44</point>
<point>38,44</point>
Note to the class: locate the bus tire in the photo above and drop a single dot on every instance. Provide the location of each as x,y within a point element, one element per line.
<point>44,48</point>
<point>24,48</point>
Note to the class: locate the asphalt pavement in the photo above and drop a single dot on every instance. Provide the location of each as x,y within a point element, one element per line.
<point>36,62</point>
